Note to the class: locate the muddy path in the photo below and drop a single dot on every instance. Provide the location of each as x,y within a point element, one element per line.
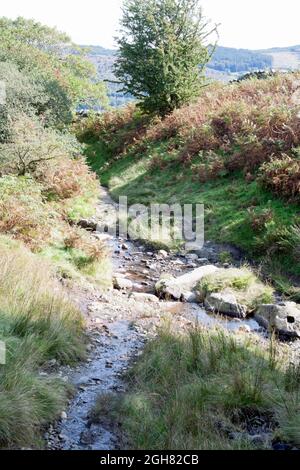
<point>119,322</point>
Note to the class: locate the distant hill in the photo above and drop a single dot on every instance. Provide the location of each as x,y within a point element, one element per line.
<point>229,60</point>
<point>284,58</point>
<point>226,64</point>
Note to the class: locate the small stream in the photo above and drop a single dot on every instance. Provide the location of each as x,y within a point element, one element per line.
<point>118,342</point>
<point>101,375</point>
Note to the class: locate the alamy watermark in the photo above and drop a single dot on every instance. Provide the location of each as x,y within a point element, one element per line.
<point>161,223</point>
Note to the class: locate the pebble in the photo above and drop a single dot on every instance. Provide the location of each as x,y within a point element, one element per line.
<point>163,253</point>
<point>203,260</point>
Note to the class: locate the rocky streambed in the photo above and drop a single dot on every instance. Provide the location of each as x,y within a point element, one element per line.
<point>121,320</point>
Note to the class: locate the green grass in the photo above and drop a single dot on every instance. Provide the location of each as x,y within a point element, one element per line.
<point>76,265</point>
<point>243,283</point>
<point>81,207</point>
<point>191,391</point>
<point>38,322</point>
<point>229,201</point>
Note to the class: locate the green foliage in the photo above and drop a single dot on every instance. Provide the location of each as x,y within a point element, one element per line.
<point>30,145</point>
<point>23,213</point>
<point>235,151</point>
<point>282,176</point>
<point>54,64</point>
<point>38,323</point>
<point>243,283</point>
<point>43,180</point>
<point>161,52</point>
<point>22,95</point>
<point>196,390</point>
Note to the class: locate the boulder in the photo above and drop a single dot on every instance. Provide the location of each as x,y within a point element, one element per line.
<point>189,297</point>
<point>163,253</point>
<point>122,283</point>
<point>284,318</point>
<point>222,302</point>
<point>174,288</point>
<point>143,297</point>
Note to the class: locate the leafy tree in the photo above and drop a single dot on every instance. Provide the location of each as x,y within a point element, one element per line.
<point>54,63</point>
<point>22,94</point>
<point>162,52</point>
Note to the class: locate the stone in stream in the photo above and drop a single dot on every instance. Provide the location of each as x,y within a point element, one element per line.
<point>176,287</point>
<point>192,257</point>
<point>122,283</point>
<point>189,297</point>
<point>222,302</point>
<point>143,297</point>
<point>163,253</point>
<point>284,318</point>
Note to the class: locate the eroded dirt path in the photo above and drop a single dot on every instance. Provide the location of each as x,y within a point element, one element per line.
<point>118,324</point>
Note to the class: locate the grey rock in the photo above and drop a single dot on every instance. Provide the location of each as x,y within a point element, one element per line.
<point>189,297</point>
<point>221,302</point>
<point>176,287</point>
<point>87,437</point>
<point>284,318</point>
<point>121,283</point>
<point>163,253</point>
<point>192,257</point>
<point>244,329</point>
<point>203,260</point>
<point>143,297</point>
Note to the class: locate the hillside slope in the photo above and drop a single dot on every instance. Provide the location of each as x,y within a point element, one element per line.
<point>236,150</point>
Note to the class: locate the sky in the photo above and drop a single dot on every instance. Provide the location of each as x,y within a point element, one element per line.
<point>253,24</point>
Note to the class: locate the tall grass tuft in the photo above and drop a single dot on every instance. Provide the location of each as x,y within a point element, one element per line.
<point>197,389</point>
<point>38,322</point>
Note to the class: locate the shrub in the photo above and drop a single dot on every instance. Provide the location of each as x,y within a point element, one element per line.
<point>31,145</point>
<point>127,126</point>
<point>78,239</point>
<point>248,122</point>
<point>282,176</point>
<point>66,178</point>
<point>291,241</point>
<point>258,220</point>
<point>211,166</point>
<point>23,214</point>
